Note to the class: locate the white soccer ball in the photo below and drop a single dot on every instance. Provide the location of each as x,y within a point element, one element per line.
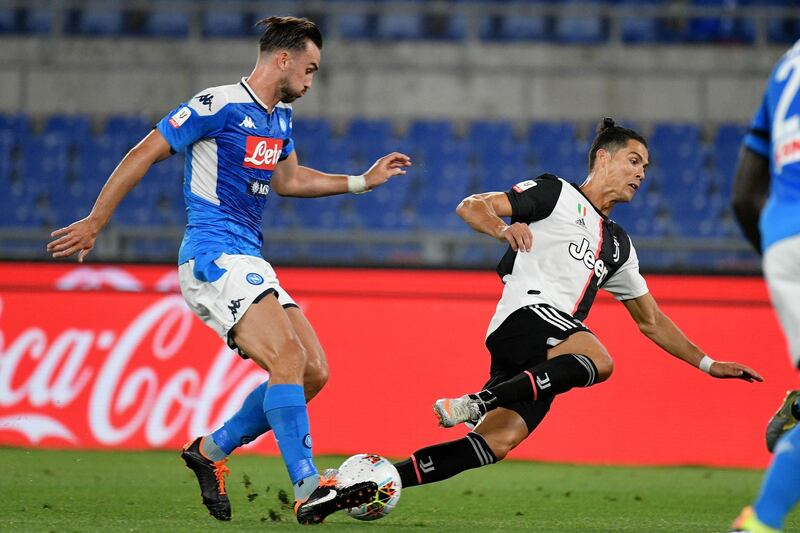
<point>371,467</point>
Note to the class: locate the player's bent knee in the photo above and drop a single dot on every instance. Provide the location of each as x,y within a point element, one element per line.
<point>604,365</point>
<point>316,376</point>
<point>502,442</point>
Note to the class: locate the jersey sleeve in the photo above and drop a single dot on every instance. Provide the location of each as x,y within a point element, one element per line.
<point>627,283</point>
<point>202,116</point>
<point>758,137</point>
<point>535,199</point>
<point>288,140</point>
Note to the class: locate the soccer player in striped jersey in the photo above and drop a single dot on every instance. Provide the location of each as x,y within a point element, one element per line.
<point>238,144</point>
<point>563,247</point>
<point>766,200</point>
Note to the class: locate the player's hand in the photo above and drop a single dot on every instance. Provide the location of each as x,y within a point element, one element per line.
<point>386,167</point>
<point>78,238</point>
<point>518,235</point>
<point>725,370</point>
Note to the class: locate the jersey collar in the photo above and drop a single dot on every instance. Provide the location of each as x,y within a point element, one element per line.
<point>577,188</point>
<point>255,98</point>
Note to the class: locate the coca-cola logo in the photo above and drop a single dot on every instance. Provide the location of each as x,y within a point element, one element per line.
<point>139,384</point>
<point>262,152</point>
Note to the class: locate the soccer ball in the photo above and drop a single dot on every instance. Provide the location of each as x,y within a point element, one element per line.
<point>370,467</point>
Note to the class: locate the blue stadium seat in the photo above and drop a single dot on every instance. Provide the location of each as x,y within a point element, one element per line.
<point>100,22</point>
<point>580,29</point>
<point>369,130</point>
<point>167,24</point>
<point>640,28</point>
<point>18,124</point>
<point>224,24</point>
<point>523,28</point>
<point>399,26</point>
<point>9,20</point>
<point>427,133</point>
<point>131,128</point>
<point>75,127</point>
<point>311,133</point>
<point>38,21</point>
<point>356,25</point>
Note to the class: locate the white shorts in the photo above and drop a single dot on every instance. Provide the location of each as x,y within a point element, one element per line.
<point>235,282</point>
<point>782,272</point>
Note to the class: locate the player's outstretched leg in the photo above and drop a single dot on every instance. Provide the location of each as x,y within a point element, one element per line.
<point>541,382</point>
<point>784,419</point>
<point>211,477</point>
<point>208,457</point>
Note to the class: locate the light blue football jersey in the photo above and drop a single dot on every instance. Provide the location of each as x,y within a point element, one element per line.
<point>232,143</point>
<point>775,134</point>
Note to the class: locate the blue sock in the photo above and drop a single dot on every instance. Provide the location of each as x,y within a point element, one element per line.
<point>780,490</point>
<point>285,407</point>
<point>246,424</point>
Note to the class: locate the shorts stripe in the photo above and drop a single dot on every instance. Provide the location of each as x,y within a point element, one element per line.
<point>553,313</point>
<point>547,318</point>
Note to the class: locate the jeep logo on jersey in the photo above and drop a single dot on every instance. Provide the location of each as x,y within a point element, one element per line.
<point>581,252</point>
<point>262,152</point>
<point>258,188</point>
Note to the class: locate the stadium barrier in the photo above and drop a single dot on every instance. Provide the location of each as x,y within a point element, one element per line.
<point>108,356</point>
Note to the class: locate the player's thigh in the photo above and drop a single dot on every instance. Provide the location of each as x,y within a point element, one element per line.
<point>585,343</point>
<point>267,335</point>
<point>503,430</point>
<point>316,369</point>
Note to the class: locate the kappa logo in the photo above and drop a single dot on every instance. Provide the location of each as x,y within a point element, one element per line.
<point>582,253</point>
<point>206,99</point>
<point>262,152</point>
<point>248,123</point>
<point>234,307</point>
<point>426,467</point>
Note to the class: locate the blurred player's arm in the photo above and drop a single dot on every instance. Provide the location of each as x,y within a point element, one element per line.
<point>661,330</point>
<point>483,213</point>
<point>750,190</point>
<point>291,179</point>
<point>79,237</point>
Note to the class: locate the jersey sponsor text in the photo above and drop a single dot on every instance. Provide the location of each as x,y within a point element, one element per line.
<point>262,152</point>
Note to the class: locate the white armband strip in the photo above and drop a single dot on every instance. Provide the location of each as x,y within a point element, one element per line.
<point>357,184</point>
<point>705,364</point>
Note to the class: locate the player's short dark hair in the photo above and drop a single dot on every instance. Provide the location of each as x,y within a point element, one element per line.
<point>611,137</point>
<point>287,33</point>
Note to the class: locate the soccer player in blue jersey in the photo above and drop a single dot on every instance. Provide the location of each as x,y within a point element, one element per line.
<point>238,144</point>
<point>766,200</point>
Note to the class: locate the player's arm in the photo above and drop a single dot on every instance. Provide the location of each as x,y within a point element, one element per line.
<point>79,237</point>
<point>661,330</point>
<point>483,213</point>
<point>750,190</point>
<point>291,179</point>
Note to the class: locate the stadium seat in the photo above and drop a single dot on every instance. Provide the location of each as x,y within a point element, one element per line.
<point>224,24</point>
<point>572,28</point>
<point>399,26</point>
<point>9,20</point>
<point>356,25</point>
<point>18,124</point>
<point>100,22</point>
<point>37,21</point>
<point>167,24</point>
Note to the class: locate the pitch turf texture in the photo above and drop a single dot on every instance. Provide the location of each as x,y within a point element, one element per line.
<point>152,491</point>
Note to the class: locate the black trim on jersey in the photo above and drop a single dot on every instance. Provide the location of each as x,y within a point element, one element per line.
<point>761,134</point>
<point>255,99</point>
<point>615,250</point>
<point>532,204</point>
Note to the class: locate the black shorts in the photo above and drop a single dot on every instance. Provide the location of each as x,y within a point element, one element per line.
<point>521,342</point>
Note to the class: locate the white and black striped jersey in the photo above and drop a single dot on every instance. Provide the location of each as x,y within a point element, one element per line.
<point>576,250</point>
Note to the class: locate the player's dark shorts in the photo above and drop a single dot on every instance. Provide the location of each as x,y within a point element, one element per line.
<point>521,342</point>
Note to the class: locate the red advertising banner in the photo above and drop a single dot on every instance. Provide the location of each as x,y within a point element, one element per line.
<point>110,356</point>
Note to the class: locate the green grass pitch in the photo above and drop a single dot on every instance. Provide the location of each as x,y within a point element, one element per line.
<point>152,491</point>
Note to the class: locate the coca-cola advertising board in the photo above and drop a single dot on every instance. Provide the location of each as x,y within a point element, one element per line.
<point>109,356</point>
